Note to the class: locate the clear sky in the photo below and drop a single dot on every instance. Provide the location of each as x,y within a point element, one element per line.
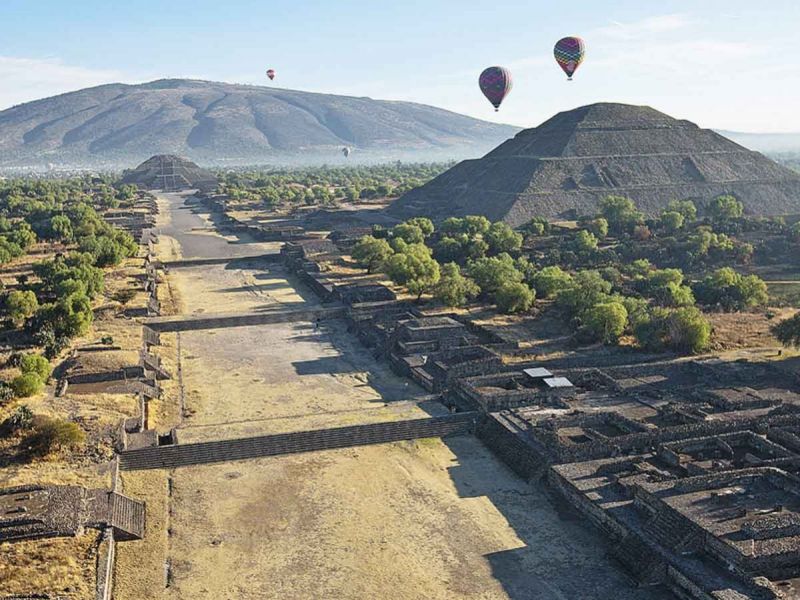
<point>726,64</point>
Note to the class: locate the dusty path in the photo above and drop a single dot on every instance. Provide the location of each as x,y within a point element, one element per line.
<point>427,519</point>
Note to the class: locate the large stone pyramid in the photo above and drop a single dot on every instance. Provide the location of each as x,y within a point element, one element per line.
<point>170,173</point>
<point>578,157</point>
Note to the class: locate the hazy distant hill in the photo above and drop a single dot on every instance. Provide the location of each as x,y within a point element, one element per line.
<point>774,143</point>
<point>222,123</point>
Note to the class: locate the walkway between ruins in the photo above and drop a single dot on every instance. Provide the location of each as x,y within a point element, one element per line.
<point>420,518</point>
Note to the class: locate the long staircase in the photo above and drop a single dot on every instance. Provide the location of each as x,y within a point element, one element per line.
<point>180,455</point>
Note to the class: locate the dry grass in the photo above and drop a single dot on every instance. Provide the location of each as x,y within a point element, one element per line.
<point>64,567</point>
<point>139,571</point>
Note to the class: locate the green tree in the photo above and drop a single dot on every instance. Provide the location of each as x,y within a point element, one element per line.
<point>725,208</point>
<point>414,268</point>
<point>424,223</point>
<point>61,228</point>
<point>551,280</point>
<point>502,238</point>
<point>453,288</point>
<point>584,243</point>
<point>672,221</point>
<point>21,305</point>
<point>682,330</point>
<point>372,253</point>
<point>514,297</point>
<point>491,273</point>
<point>537,226</point>
<point>598,227</point>
<point>788,331</point>
<point>409,233</point>
<point>588,289</point>
<point>620,213</point>
<point>731,291</point>
<point>685,208</point>
<point>606,322</point>
<point>688,330</point>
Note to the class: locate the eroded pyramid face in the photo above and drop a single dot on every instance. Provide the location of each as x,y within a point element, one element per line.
<point>575,159</point>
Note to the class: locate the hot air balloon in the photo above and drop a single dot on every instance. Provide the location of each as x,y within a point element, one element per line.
<point>495,83</point>
<point>346,151</point>
<point>271,74</point>
<point>569,53</point>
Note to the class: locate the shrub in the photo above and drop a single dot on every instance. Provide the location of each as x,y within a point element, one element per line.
<point>53,435</point>
<point>21,418</point>
<point>26,385</point>
<point>33,363</point>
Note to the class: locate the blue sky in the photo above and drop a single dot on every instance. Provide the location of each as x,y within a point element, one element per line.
<point>725,64</point>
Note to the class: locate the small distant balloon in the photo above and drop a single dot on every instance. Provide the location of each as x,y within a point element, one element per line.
<point>569,53</point>
<point>346,151</point>
<point>271,74</point>
<point>495,83</point>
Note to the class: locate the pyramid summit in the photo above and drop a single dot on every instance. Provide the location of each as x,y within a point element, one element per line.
<point>170,173</point>
<point>575,159</point>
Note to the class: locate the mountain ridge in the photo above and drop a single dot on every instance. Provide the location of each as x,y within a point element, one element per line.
<point>216,122</point>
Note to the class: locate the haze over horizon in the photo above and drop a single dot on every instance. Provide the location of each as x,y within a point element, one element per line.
<point>711,64</point>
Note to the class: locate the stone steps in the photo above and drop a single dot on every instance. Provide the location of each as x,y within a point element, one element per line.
<point>290,443</point>
<point>127,517</point>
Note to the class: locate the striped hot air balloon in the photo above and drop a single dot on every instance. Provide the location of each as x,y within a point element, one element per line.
<point>569,53</point>
<point>495,83</point>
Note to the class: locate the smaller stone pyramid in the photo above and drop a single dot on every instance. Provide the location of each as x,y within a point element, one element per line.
<point>170,173</point>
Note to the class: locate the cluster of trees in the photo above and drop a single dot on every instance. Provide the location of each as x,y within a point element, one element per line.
<point>326,185</point>
<point>676,237</point>
<point>56,303</point>
<point>466,258</point>
<point>604,299</point>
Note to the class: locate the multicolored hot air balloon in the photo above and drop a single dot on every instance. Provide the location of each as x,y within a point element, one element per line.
<point>569,53</point>
<point>346,151</point>
<point>495,83</point>
<point>271,74</point>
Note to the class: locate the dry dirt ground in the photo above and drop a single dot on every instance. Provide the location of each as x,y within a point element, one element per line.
<point>424,519</point>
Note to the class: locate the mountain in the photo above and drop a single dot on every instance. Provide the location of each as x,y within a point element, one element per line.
<point>221,123</point>
<point>766,142</point>
<point>576,158</point>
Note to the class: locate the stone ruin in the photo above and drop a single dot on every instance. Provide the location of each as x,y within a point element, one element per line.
<point>689,468</point>
<point>33,511</point>
<point>169,173</point>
